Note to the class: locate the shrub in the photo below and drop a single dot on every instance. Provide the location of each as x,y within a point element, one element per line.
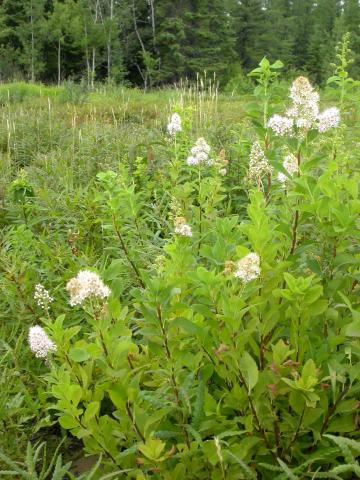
<point>235,354</point>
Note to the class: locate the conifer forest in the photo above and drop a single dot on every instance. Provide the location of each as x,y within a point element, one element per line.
<point>179,239</point>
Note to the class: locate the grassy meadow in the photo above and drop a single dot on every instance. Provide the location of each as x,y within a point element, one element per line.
<point>184,371</point>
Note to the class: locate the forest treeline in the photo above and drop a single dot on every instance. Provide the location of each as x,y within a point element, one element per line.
<point>155,42</point>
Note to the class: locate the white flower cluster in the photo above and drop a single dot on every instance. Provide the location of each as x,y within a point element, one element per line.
<point>248,268</point>
<point>305,104</point>
<point>281,126</point>
<point>182,228</point>
<point>85,285</point>
<point>329,118</point>
<point>42,297</point>
<point>174,125</point>
<point>40,344</point>
<point>290,164</point>
<point>259,164</point>
<point>199,153</point>
<point>304,112</point>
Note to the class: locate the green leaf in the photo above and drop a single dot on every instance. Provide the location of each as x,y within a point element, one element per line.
<point>264,63</point>
<point>153,448</point>
<point>353,329</point>
<point>286,469</point>
<point>309,372</point>
<point>277,64</point>
<point>118,396</point>
<point>249,370</point>
<point>186,325</point>
<point>91,411</point>
<point>68,422</point>
<point>78,355</point>
<point>199,406</point>
<point>250,474</point>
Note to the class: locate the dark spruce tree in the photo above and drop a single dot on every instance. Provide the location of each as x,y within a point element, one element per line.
<point>209,38</point>
<point>322,40</point>
<point>279,30</point>
<point>249,17</point>
<point>351,24</point>
<point>303,30</point>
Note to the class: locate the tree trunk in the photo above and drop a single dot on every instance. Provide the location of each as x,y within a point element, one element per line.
<point>32,43</point>
<point>146,75</point>
<point>109,46</point>
<point>93,67</point>
<point>152,8</point>
<point>87,56</point>
<point>59,61</point>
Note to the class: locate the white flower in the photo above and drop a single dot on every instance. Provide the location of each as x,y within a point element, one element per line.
<point>40,344</point>
<point>248,268</point>
<point>303,113</point>
<point>85,285</point>
<point>174,125</point>
<point>42,297</point>
<point>329,118</point>
<point>259,164</point>
<point>281,125</point>
<point>303,123</point>
<point>191,160</point>
<point>303,93</point>
<point>290,164</point>
<point>305,104</point>
<point>182,228</point>
<point>222,172</point>
<point>199,153</point>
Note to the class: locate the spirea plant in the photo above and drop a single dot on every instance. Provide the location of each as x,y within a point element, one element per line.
<point>236,353</point>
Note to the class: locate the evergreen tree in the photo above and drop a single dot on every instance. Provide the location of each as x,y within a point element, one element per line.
<point>11,15</point>
<point>322,40</point>
<point>152,42</point>
<point>171,40</point>
<point>303,30</point>
<point>250,24</point>
<point>57,25</point>
<point>279,31</point>
<point>352,25</point>
<point>209,37</point>
<point>31,32</point>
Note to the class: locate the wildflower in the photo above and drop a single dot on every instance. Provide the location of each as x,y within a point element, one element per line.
<point>305,104</point>
<point>191,160</point>
<point>303,113</point>
<point>259,164</point>
<point>290,164</point>
<point>223,172</point>
<point>42,297</point>
<point>199,153</point>
<point>174,125</point>
<point>85,285</point>
<point>281,125</point>
<point>248,268</point>
<point>327,119</point>
<point>182,228</point>
<point>40,344</point>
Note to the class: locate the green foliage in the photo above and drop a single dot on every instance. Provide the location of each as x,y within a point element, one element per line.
<point>150,45</point>
<point>54,470</point>
<point>189,368</point>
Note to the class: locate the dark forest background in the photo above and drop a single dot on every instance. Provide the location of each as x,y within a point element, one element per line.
<point>156,42</point>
